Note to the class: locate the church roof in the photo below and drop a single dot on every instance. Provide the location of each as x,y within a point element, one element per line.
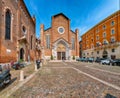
<point>62,15</point>
<point>47,28</point>
<point>72,31</point>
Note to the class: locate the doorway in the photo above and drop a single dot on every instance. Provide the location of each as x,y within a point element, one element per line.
<point>61,55</point>
<point>21,54</point>
<point>105,54</point>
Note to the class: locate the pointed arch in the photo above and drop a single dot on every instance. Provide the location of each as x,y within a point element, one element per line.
<point>7,25</point>
<point>22,54</point>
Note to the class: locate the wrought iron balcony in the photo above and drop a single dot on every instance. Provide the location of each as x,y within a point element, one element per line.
<point>107,45</point>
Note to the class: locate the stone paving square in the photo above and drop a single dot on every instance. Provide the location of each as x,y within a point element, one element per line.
<point>57,80</point>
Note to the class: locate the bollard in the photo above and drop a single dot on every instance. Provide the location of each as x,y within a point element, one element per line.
<point>45,62</point>
<point>41,64</point>
<point>21,75</point>
<point>110,64</point>
<point>36,67</point>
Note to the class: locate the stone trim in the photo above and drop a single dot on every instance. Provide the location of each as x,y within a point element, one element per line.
<point>11,32</point>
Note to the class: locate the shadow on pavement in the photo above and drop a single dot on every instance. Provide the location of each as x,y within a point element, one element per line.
<point>110,96</point>
<point>5,86</point>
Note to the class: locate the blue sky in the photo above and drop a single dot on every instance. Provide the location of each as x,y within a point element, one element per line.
<point>84,14</point>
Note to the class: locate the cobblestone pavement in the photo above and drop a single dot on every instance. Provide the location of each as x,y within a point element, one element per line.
<point>104,67</point>
<point>28,70</point>
<point>106,76</point>
<point>60,80</point>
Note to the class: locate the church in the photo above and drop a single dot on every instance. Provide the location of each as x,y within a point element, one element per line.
<point>59,42</point>
<point>17,32</point>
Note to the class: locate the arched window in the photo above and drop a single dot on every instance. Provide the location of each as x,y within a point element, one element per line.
<point>48,41</point>
<point>105,54</point>
<point>7,25</point>
<point>73,43</point>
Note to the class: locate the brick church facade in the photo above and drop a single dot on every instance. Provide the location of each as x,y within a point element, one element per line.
<point>17,32</point>
<point>59,41</point>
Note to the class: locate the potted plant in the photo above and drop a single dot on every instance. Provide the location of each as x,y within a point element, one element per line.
<point>73,57</point>
<point>51,57</point>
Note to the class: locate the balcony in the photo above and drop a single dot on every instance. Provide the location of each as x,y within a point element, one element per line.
<point>107,45</point>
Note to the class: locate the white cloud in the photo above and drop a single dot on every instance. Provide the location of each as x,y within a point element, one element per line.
<point>98,14</point>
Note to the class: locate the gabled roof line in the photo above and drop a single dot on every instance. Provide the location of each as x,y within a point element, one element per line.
<point>62,15</point>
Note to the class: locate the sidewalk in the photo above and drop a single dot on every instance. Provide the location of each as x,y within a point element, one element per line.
<point>62,61</point>
<point>29,72</point>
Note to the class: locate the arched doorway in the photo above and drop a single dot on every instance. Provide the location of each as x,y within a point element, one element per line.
<point>61,52</point>
<point>21,54</point>
<point>105,54</point>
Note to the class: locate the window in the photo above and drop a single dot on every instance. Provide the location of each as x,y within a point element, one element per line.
<point>97,30</point>
<point>87,42</point>
<point>92,46</point>
<point>97,52</point>
<point>92,39</point>
<point>105,42</point>
<point>87,47</point>
<point>8,25</point>
<point>24,29</point>
<point>84,54</point>
<point>112,23</point>
<point>48,41</point>
<point>104,34</point>
<point>97,37</point>
<point>113,57</point>
<point>104,27</point>
<point>61,30</point>
<point>92,53</point>
<point>73,43</point>
<point>112,31</point>
<point>112,39</point>
<point>113,50</point>
<point>31,41</point>
<point>97,44</point>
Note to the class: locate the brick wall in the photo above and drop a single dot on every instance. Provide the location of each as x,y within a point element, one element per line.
<point>19,17</point>
<point>90,37</point>
<point>92,33</point>
<point>59,21</point>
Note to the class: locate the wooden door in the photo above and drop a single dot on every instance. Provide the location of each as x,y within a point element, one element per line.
<point>59,55</point>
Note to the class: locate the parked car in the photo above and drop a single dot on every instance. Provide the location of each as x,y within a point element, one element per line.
<point>90,59</point>
<point>106,61</point>
<point>98,60</point>
<point>18,65</point>
<point>5,78</point>
<point>85,59</point>
<point>78,59</point>
<point>115,62</point>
